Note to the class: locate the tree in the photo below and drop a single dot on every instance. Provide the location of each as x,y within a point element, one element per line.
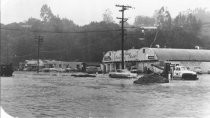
<point>188,22</point>
<point>107,16</point>
<point>163,21</point>
<point>33,24</point>
<point>201,14</point>
<point>204,16</point>
<point>182,32</point>
<point>144,21</point>
<point>46,13</point>
<point>163,18</point>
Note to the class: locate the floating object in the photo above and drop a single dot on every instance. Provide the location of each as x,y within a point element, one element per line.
<point>122,74</point>
<point>6,70</point>
<point>151,78</point>
<point>83,75</point>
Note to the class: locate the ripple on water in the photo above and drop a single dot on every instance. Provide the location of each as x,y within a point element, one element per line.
<point>27,95</point>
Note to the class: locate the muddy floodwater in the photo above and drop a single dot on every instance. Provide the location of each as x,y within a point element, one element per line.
<point>48,95</point>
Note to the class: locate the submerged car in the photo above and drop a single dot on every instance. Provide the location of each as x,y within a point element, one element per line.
<point>122,74</point>
<point>135,70</point>
<point>45,70</point>
<point>183,73</point>
<point>93,70</point>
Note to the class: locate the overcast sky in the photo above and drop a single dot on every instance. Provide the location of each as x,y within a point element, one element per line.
<point>84,11</point>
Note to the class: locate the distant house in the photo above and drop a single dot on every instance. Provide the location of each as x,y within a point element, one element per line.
<point>31,65</point>
<point>61,64</point>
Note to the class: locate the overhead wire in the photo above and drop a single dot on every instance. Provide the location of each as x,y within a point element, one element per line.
<point>47,31</point>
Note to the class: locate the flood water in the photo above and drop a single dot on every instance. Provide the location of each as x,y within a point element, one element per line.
<point>28,95</point>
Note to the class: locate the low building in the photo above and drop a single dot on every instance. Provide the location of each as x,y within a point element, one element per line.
<point>62,64</point>
<point>31,65</point>
<point>143,58</point>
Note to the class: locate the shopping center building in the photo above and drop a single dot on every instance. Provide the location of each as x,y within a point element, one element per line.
<point>145,57</point>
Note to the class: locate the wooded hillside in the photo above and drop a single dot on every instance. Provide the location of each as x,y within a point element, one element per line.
<point>67,41</point>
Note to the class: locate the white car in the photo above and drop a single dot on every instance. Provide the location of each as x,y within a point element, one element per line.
<point>45,70</point>
<point>122,74</point>
<point>56,70</point>
<point>60,70</point>
<point>52,69</point>
<point>197,70</point>
<point>183,73</point>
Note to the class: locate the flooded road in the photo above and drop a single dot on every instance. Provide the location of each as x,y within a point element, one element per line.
<point>28,95</point>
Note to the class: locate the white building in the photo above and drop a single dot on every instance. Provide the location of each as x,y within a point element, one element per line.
<point>144,57</point>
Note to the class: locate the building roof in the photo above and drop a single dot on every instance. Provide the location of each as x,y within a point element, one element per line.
<point>181,54</point>
<point>160,54</point>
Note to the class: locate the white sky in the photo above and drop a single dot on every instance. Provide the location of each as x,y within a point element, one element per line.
<point>84,11</point>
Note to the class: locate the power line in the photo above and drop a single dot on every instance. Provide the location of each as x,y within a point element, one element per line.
<point>154,38</point>
<point>73,32</point>
<point>19,56</point>
<point>57,51</point>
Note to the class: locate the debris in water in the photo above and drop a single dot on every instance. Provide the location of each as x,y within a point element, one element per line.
<point>151,78</point>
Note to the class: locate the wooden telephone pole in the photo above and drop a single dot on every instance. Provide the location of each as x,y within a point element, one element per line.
<point>122,29</point>
<point>39,40</point>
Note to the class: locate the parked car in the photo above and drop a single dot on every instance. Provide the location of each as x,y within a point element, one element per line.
<point>69,69</point>
<point>6,70</point>
<point>53,69</point>
<point>27,69</point>
<point>197,70</point>
<point>56,70</point>
<point>122,73</point>
<point>60,70</point>
<point>92,69</point>
<point>209,71</point>
<point>183,73</point>
<point>45,69</point>
<point>134,70</point>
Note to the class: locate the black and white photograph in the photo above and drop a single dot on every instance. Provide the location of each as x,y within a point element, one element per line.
<point>105,58</point>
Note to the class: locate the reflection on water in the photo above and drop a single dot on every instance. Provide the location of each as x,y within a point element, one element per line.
<point>28,95</point>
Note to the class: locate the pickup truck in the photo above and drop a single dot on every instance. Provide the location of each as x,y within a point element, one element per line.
<point>183,73</point>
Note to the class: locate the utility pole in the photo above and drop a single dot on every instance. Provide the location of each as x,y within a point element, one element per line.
<point>122,29</point>
<point>39,40</point>
<point>7,49</point>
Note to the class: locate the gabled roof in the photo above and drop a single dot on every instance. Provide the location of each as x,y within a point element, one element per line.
<point>164,54</point>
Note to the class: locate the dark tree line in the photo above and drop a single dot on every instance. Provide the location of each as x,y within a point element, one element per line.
<point>65,40</point>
